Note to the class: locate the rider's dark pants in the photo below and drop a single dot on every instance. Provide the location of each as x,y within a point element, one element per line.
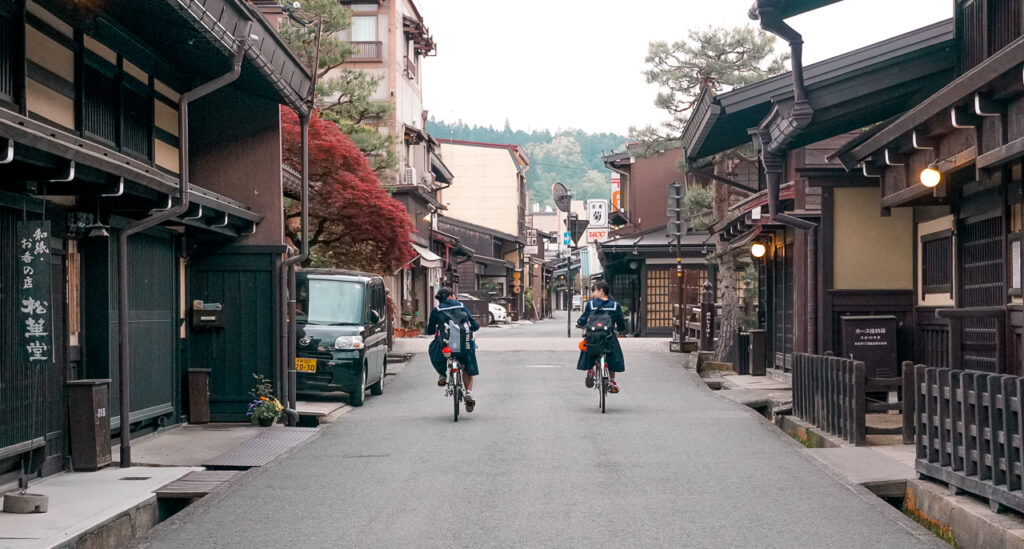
<point>439,363</point>
<point>615,361</point>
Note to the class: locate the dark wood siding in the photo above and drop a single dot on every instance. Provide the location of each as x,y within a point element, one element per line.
<point>99,104</point>
<point>137,123</point>
<point>32,406</point>
<point>244,284</point>
<point>8,85</point>
<point>782,304</point>
<point>981,285</point>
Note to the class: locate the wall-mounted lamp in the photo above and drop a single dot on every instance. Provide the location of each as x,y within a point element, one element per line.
<point>930,176</point>
<point>428,217</point>
<point>758,250</point>
<point>633,265</point>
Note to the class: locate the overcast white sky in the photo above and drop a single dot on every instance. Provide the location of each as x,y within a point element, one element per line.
<point>550,64</point>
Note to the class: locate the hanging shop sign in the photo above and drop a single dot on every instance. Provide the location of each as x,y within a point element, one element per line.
<point>33,269</point>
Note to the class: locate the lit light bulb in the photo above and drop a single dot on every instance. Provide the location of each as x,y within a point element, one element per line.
<point>758,250</point>
<point>930,177</point>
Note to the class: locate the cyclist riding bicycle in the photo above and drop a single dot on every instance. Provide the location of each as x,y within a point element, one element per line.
<point>448,310</point>
<point>602,303</point>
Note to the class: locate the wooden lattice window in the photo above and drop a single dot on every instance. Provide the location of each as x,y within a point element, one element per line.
<point>937,263</point>
<point>659,303</point>
<point>100,102</point>
<point>8,62</point>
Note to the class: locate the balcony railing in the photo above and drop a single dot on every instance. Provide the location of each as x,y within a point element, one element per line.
<point>368,51</point>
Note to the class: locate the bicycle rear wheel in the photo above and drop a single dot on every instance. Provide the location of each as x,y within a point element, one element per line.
<point>604,384</point>
<point>457,394</point>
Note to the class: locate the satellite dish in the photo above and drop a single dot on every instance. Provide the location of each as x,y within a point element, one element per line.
<point>561,196</point>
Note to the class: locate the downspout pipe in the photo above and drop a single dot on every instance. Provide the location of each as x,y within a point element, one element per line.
<point>774,145</point>
<point>288,288</point>
<point>123,343</point>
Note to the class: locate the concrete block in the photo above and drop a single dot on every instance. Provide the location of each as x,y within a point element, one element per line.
<point>972,523</point>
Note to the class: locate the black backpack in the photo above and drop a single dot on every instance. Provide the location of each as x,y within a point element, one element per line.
<point>456,330</point>
<point>600,331</point>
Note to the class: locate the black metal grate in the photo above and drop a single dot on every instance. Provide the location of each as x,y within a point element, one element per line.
<point>261,450</point>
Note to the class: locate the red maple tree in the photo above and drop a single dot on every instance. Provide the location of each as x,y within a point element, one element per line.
<point>354,222</point>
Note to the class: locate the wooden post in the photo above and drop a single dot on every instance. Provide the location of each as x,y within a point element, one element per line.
<point>909,402</point>
<point>707,318</point>
<point>860,432</point>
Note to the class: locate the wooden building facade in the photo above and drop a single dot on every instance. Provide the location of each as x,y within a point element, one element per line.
<point>965,229</point>
<point>93,141</point>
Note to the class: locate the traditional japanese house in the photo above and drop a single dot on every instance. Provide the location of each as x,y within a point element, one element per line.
<point>822,257</point>
<point>106,108</point>
<point>951,167</point>
<point>496,258</point>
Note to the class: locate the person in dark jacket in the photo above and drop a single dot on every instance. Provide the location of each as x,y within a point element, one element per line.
<point>601,300</point>
<point>438,319</point>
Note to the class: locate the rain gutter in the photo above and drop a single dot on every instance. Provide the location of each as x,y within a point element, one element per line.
<point>124,378</point>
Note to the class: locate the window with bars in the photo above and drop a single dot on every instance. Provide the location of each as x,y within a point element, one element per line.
<point>984,27</point>
<point>117,109</point>
<point>8,64</point>
<point>659,303</point>
<point>937,263</point>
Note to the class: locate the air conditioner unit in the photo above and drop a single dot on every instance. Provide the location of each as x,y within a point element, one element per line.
<point>410,176</point>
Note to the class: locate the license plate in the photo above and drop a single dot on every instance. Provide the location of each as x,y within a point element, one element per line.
<point>305,365</point>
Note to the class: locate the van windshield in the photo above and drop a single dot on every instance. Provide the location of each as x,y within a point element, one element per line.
<point>329,302</point>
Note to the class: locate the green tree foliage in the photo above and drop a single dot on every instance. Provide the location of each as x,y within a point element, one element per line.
<point>571,157</point>
<point>713,59</point>
<point>343,96</point>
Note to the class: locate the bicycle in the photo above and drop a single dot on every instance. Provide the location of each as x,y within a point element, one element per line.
<point>602,379</point>
<point>454,387</point>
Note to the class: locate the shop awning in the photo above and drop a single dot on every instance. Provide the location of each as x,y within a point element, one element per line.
<point>427,258</point>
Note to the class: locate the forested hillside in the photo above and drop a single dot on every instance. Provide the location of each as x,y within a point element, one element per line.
<point>572,157</point>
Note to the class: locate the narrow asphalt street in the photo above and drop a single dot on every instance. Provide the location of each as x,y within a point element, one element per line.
<point>537,465</point>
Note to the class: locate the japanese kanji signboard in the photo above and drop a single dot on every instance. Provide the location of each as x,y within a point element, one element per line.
<point>33,268</point>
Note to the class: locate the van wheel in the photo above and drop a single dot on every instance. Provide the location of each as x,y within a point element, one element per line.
<point>356,397</point>
<point>492,317</point>
<point>377,389</point>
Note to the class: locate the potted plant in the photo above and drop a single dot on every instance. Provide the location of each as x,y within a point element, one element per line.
<point>399,331</point>
<point>264,408</point>
<point>414,329</point>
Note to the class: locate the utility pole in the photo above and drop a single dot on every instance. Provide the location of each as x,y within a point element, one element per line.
<point>677,228</point>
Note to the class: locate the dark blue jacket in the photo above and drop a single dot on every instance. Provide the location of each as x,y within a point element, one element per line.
<point>438,318</point>
<point>616,362</point>
<point>610,306</point>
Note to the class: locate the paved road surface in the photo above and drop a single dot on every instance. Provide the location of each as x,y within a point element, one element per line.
<point>536,465</point>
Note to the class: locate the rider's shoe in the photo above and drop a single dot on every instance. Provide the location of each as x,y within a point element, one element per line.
<point>613,387</point>
<point>470,403</point>
<point>441,381</point>
<point>589,382</point>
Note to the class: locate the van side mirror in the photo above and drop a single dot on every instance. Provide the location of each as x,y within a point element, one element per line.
<point>374,316</point>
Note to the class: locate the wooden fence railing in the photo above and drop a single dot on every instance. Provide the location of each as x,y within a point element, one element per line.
<point>969,428</point>
<point>832,393</point>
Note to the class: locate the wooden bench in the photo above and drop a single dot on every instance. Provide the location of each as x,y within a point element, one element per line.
<point>195,485</point>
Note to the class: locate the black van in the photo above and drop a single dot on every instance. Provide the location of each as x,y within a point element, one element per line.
<point>342,332</point>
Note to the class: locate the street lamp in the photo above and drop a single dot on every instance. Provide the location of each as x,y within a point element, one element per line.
<point>758,250</point>
<point>930,177</point>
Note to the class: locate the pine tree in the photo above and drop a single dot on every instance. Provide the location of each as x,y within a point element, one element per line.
<point>718,59</point>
